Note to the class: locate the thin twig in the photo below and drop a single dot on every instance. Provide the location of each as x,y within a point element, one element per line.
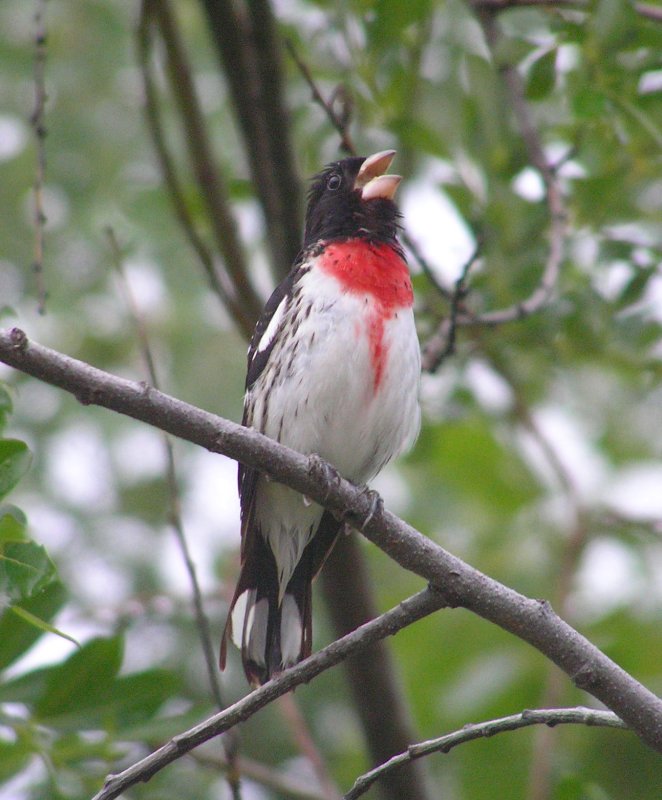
<point>410,610</point>
<point>254,78</point>
<point>450,325</point>
<point>38,122</point>
<point>210,180</point>
<point>219,281</point>
<point>340,123</point>
<point>306,744</point>
<point>174,515</point>
<point>531,620</point>
<point>443,744</point>
<point>272,778</point>
<point>651,12</point>
<point>435,347</point>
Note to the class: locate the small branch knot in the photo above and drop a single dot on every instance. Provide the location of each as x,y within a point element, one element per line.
<point>585,677</point>
<point>19,339</point>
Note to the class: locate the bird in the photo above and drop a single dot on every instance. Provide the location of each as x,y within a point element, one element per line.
<point>333,370</point>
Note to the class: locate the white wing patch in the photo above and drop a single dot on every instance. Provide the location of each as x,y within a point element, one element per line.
<point>272,327</point>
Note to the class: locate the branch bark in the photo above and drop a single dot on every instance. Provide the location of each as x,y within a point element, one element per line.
<point>209,179</point>
<point>379,698</point>
<point>443,744</point>
<point>248,48</point>
<point>410,610</point>
<point>533,621</point>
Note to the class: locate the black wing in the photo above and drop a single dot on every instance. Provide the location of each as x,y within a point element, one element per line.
<point>257,361</point>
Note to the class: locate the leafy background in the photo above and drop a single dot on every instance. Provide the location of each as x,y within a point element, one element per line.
<point>539,459</point>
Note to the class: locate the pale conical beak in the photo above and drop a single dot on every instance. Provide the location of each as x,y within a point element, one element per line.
<point>371,179</point>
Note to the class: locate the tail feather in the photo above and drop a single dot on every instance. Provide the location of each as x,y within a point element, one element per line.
<point>273,635</point>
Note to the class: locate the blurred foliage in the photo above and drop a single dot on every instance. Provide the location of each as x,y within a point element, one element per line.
<point>580,380</point>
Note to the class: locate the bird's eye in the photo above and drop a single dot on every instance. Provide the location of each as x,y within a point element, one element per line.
<point>334,182</point>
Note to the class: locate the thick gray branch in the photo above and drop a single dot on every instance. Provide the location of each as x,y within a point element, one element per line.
<point>534,621</point>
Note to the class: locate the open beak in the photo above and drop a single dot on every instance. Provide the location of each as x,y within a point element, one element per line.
<point>371,179</point>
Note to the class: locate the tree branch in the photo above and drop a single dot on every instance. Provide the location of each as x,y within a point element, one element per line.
<point>443,744</point>
<point>435,348</point>
<point>37,120</point>
<point>372,675</point>
<point>229,743</point>
<point>410,610</point>
<point>255,82</point>
<point>209,179</point>
<point>646,10</point>
<point>219,282</point>
<point>533,621</point>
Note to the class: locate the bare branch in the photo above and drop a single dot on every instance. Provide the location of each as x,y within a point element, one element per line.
<point>229,743</point>
<point>303,737</point>
<point>220,283</point>
<point>372,675</point>
<point>649,11</point>
<point>37,120</point>
<point>340,123</point>
<point>210,180</point>
<point>533,621</point>
<point>443,744</point>
<point>435,348</point>
<point>410,610</point>
<point>246,41</point>
<point>434,353</point>
<point>272,778</point>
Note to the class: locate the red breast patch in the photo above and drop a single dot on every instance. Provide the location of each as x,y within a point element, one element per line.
<point>378,271</point>
<point>365,268</point>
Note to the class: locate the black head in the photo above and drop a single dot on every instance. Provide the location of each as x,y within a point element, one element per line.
<point>353,198</point>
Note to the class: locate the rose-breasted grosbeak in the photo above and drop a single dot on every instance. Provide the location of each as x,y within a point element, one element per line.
<point>333,369</point>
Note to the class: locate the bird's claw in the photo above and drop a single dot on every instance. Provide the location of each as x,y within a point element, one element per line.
<point>323,471</point>
<point>376,505</point>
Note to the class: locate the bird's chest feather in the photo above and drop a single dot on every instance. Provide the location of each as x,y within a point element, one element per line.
<point>374,283</point>
<point>350,389</point>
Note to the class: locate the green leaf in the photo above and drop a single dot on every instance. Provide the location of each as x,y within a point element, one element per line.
<point>32,619</point>
<point>14,463</point>
<point>13,523</point>
<point>14,757</point>
<point>613,23</point>
<point>26,688</point>
<point>541,78</point>
<point>390,20</point>
<point>160,728</point>
<point>136,698</point>
<point>511,50</point>
<point>17,635</point>
<point>83,679</point>
<point>84,692</point>
<point>25,569</point>
<point>5,407</point>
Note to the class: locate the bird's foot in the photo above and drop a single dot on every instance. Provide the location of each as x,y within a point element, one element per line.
<point>323,471</point>
<point>376,505</point>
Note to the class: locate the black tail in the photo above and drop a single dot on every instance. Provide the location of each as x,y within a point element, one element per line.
<point>274,635</point>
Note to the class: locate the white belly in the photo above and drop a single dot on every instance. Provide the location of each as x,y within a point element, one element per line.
<point>326,401</point>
